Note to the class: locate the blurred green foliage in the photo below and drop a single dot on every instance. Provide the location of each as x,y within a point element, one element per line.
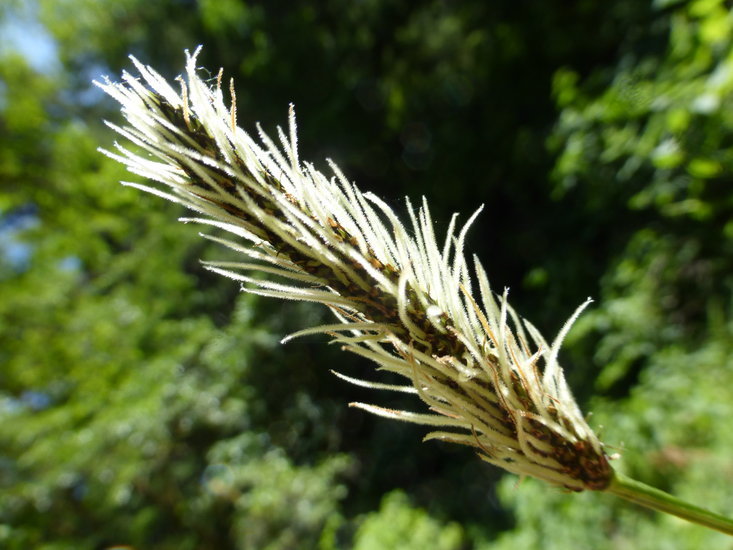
<point>399,526</point>
<point>145,402</point>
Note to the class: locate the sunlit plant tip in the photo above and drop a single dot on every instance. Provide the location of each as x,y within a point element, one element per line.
<point>401,299</point>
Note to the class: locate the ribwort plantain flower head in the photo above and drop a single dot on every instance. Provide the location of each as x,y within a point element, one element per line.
<point>400,297</point>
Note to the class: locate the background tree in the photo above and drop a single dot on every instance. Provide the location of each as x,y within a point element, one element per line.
<point>145,402</point>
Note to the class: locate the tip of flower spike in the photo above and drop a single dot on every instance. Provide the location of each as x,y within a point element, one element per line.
<point>106,82</point>
<point>552,364</point>
<point>191,57</point>
<point>375,385</point>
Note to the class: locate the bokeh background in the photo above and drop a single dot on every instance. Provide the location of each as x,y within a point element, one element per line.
<point>147,404</point>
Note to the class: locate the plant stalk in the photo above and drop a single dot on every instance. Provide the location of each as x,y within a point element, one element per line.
<point>645,495</point>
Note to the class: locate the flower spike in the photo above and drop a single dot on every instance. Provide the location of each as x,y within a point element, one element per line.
<point>401,299</point>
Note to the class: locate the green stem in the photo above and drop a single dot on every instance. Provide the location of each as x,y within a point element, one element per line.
<point>643,494</point>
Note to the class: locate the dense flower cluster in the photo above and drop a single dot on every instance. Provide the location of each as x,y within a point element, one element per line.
<point>401,299</point>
